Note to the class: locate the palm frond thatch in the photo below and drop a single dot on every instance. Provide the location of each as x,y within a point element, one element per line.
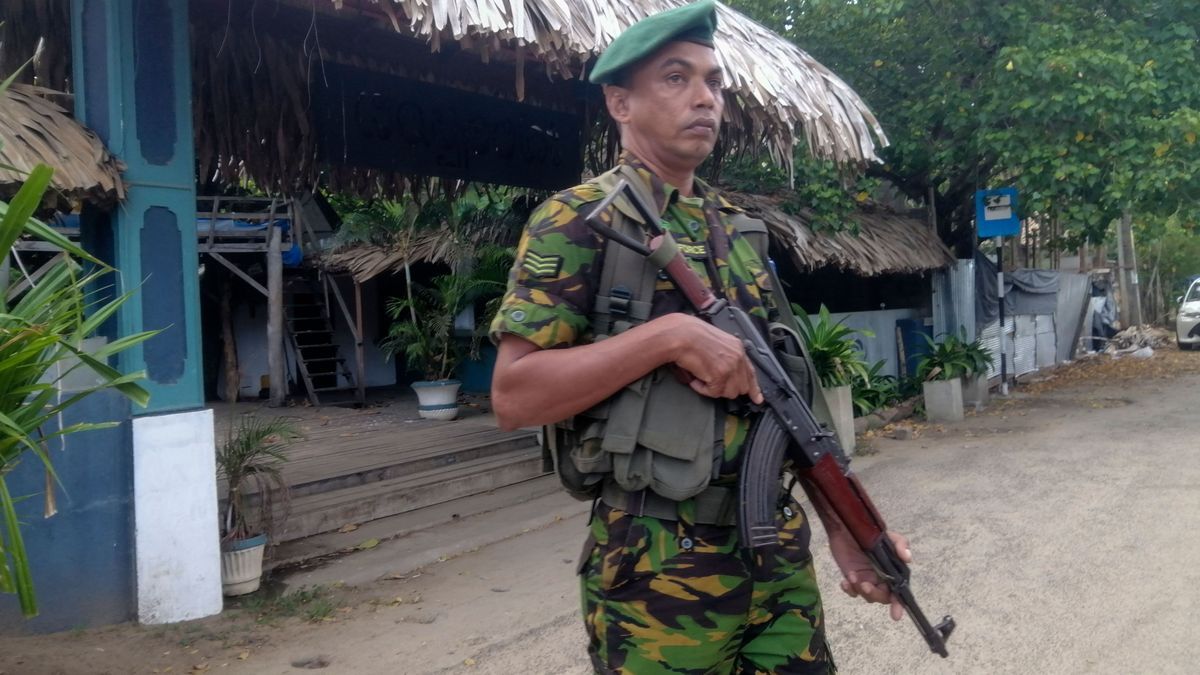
<point>886,242</point>
<point>35,130</point>
<point>440,245</point>
<point>776,88</point>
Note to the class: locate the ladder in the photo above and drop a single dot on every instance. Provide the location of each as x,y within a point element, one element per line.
<point>310,331</point>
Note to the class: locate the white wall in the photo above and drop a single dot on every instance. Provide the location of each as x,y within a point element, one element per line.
<point>883,324</point>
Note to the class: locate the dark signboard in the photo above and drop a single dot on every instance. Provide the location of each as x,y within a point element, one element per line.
<point>396,124</point>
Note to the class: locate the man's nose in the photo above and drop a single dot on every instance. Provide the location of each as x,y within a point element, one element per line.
<point>706,98</point>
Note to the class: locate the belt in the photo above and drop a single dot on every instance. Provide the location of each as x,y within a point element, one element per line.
<point>714,505</point>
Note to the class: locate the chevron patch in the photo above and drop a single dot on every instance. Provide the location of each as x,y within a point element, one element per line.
<point>542,266</point>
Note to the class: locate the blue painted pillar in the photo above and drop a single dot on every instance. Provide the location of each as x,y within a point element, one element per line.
<point>133,87</point>
<point>132,72</point>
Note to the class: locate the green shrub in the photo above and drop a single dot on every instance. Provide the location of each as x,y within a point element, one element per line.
<point>831,345</point>
<point>953,357</point>
<point>875,390</point>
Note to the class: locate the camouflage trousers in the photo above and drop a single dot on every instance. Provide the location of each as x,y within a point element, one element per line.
<point>663,596</point>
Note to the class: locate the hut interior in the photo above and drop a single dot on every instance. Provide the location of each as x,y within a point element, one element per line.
<point>411,99</point>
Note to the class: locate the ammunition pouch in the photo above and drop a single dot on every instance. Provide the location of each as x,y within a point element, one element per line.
<point>655,437</point>
<point>634,440</point>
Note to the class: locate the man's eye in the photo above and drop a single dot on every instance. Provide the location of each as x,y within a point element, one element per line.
<point>675,78</point>
<point>715,84</point>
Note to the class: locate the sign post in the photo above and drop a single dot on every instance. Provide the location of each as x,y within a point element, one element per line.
<point>996,216</point>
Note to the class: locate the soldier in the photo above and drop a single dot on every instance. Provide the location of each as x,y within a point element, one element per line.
<point>665,586</point>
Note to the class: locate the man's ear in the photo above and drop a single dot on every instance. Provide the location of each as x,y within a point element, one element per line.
<point>616,99</point>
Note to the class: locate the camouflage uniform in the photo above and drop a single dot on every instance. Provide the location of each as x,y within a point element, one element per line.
<point>671,596</point>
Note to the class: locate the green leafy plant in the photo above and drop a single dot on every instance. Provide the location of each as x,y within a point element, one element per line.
<point>251,457</point>
<point>875,390</point>
<point>423,329</point>
<point>831,344</point>
<point>979,358</point>
<point>42,330</point>
<point>946,360</point>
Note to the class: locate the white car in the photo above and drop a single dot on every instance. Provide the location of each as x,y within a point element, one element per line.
<point>1187,322</point>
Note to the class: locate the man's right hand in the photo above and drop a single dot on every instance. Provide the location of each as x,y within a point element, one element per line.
<point>715,360</point>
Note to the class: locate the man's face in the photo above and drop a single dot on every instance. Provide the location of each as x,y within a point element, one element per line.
<point>671,105</point>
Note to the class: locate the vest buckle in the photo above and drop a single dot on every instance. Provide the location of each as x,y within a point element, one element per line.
<point>619,299</point>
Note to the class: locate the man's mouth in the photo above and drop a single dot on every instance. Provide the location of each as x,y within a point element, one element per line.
<point>702,126</point>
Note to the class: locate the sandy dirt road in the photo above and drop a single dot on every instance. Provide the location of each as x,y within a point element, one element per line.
<point>1059,528</point>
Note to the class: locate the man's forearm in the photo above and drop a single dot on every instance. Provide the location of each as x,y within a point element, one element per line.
<point>543,386</point>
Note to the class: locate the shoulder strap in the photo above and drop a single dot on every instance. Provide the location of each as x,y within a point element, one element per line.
<point>625,293</point>
<point>755,231</point>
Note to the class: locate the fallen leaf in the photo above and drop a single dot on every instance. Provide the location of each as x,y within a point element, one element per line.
<point>368,544</point>
<point>468,662</point>
<point>348,527</point>
<point>243,656</point>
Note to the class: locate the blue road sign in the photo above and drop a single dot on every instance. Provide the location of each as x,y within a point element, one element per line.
<point>996,213</point>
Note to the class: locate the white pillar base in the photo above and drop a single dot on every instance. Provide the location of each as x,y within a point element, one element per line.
<point>175,510</point>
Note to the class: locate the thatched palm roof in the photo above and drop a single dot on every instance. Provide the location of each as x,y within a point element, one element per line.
<point>35,130</point>
<point>437,245</point>
<point>886,242</point>
<point>776,89</point>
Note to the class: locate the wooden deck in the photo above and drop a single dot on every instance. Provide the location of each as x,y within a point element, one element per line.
<point>358,465</point>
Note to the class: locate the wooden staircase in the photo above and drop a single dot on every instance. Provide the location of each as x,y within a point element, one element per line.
<point>310,331</point>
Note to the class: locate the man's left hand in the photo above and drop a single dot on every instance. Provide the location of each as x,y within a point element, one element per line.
<point>860,579</point>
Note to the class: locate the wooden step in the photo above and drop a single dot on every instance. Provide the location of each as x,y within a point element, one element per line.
<point>327,511</point>
<point>324,358</point>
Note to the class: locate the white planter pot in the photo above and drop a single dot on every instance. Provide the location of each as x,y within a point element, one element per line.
<point>975,391</point>
<point>437,400</point>
<point>841,414</point>
<point>241,565</point>
<point>943,400</point>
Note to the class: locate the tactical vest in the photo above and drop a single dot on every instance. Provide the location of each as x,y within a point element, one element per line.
<point>656,433</point>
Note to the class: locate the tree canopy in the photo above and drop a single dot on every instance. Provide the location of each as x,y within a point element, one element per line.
<point>1088,107</point>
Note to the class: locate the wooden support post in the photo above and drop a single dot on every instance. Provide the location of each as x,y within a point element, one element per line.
<point>360,372</point>
<point>233,377</point>
<point>275,317</point>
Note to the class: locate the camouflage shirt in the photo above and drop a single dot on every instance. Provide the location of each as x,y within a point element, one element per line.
<point>556,274</point>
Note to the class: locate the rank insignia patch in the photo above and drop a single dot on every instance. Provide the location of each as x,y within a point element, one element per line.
<point>542,266</point>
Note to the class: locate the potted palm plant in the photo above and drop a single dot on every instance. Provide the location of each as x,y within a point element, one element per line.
<point>424,328</point>
<point>839,363</point>
<point>975,381</point>
<point>941,372</point>
<point>256,495</point>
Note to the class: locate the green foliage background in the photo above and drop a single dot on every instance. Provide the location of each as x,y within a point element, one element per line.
<point>1089,107</point>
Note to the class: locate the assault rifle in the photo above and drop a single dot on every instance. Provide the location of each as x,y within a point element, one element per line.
<point>785,430</point>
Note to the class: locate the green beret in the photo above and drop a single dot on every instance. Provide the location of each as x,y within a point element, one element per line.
<point>691,23</point>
